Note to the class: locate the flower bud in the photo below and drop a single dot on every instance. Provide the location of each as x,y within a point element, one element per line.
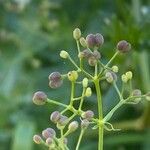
<point>64,54</point>
<point>49,141</point>
<point>99,40</point>
<point>124,78</point>
<point>55,80</point>
<point>87,114</point>
<point>123,46</point>
<point>84,123</point>
<point>96,54</point>
<point>90,39</point>
<point>129,75</point>
<point>85,54</point>
<point>85,82</point>
<point>83,42</point>
<point>63,120</point>
<point>48,133</point>
<point>72,75</point>
<point>88,92</point>
<point>115,69</point>
<point>137,92</point>
<point>148,96</point>
<point>39,98</point>
<point>77,34</point>
<point>92,61</point>
<point>73,126</point>
<point>110,77</point>
<point>37,139</point>
<point>55,116</point>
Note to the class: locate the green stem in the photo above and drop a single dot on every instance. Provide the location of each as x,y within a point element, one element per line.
<point>82,99</point>
<point>117,90</point>
<point>79,140</point>
<point>72,93</point>
<point>56,103</point>
<point>100,114</point>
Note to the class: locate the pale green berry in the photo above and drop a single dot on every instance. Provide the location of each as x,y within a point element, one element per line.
<point>83,42</point>
<point>87,114</point>
<point>137,93</point>
<point>129,75</point>
<point>77,34</point>
<point>110,77</point>
<point>85,82</point>
<point>73,126</point>
<point>115,69</point>
<point>84,123</point>
<point>88,92</point>
<point>72,75</point>
<point>64,54</point>
<point>55,116</point>
<point>37,139</point>
<point>124,78</point>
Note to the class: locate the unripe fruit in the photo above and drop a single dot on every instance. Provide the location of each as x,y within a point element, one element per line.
<point>84,123</point>
<point>39,98</point>
<point>64,54</point>
<point>110,77</point>
<point>83,42</point>
<point>135,93</point>
<point>87,114</point>
<point>88,92</point>
<point>90,39</point>
<point>96,54</point>
<point>85,82</point>
<point>148,96</point>
<point>73,126</point>
<point>63,120</point>
<point>72,75</point>
<point>37,139</point>
<point>65,141</point>
<point>129,75</point>
<point>49,132</point>
<point>99,40</point>
<point>77,34</point>
<point>123,46</point>
<point>115,69</point>
<point>55,80</point>
<point>55,116</point>
<point>92,61</point>
<point>49,141</point>
<point>85,54</point>
<point>124,78</point>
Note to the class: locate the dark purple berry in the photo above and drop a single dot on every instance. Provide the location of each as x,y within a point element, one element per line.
<point>123,46</point>
<point>90,39</point>
<point>99,40</point>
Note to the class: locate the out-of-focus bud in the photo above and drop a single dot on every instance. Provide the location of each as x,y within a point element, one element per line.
<point>137,93</point>
<point>39,98</point>
<point>73,126</point>
<point>124,78</point>
<point>92,61</point>
<point>64,54</point>
<point>37,139</point>
<point>48,133</point>
<point>148,96</point>
<point>123,46</point>
<point>85,82</point>
<point>88,92</point>
<point>96,54</point>
<point>84,123</point>
<point>77,34</point>
<point>65,141</point>
<point>72,75</point>
<point>85,54</point>
<point>129,75</point>
<point>83,42</point>
<point>87,114</point>
<point>49,141</point>
<point>55,116</point>
<point>99,40</point>
<point>63,120</point>
<point>115,69</point>
<point>90,39</point>
<point>55,80</point>
<point>110,77</point>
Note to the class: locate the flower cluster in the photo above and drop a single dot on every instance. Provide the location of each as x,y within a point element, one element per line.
<point>89,49</point>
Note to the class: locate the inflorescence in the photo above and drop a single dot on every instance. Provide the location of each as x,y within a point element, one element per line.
<point>91,46</point>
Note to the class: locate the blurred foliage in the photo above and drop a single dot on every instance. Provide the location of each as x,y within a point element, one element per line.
<point>32,32</point>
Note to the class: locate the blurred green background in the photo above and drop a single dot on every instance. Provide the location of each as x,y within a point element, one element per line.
<point>32,32</point>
